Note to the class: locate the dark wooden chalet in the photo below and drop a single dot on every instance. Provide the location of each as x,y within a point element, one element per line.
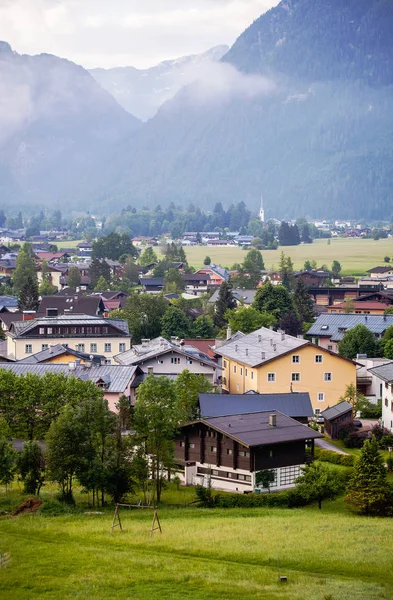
<point>335,417</point>
<point>230,449</point>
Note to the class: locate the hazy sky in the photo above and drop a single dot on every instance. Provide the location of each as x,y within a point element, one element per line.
<point>110,33</point>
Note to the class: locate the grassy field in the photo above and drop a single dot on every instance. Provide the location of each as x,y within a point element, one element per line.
<point>71,244</point>
<point>355,255</point>
<point>202,554</point>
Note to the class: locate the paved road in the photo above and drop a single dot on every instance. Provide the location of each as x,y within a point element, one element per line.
<point>328,446</point>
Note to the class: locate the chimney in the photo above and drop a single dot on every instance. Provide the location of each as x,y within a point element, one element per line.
<point>71,366</point>
<point>77,362</point>
<point>273,420</point>
<point>271,341</point>
<point>28,315</point>
<point>87,364</point>
<point>150,370</point>
<point>283,336</point>
<point>263,355</point>
<point>259,338</point>
<point>236,348</point>
<point>299,336</point>
<point>145,342</point>
<point>274,347</point>
<point>246,351</point>
<point>229,332</point>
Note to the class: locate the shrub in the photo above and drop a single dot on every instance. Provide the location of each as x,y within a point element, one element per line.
<point>386,441</point>
<point>346,460</point>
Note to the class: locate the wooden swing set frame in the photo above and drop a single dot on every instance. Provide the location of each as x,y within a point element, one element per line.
<point>155,523</point>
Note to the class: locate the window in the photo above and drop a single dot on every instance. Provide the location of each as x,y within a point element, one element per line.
<point>229,451</point>
<point>241,371</point>
<point>89,330</point>
<point>160,361</point>
<point>252,374</point>
<point>93,348</point>
<point>330,347</point>
<point>107,347</point>
<point>213,449</point>
<point>234,368</point>
<point>215,472</point>
<point>241,477</point>
<point>244,453</point>
<point>295,377</point>
<point>28,348</point>
<point>296,358</point>
<point>318,358</point>
<point>49,331</point>
<point>386,402</point>
<point>289,474</point>
<point>44,346</point>
<point>317,411</point>
<point>80,347</point>
<point>42,330</point>
<point>321,397</point>
<point>188,361</point>
<point>327,377</point>
<point>225,364</point>
<point>122,347</point>
<point>270,453</point>
<point>271,377</point>
<point>191,445</point>
<point>175,360</point>
<point>182,444</point>
<point>246,372</point>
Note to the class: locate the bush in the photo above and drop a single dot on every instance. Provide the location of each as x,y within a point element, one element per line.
<point>386,441</point>
<point>345,460</point>
<point>372,411</point>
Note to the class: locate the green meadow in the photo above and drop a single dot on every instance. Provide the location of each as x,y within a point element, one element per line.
<point>201,554</point>
<point>355,255</point>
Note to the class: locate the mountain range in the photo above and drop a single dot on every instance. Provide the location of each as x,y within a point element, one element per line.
<point>299,109</point>
<point>142,91</point>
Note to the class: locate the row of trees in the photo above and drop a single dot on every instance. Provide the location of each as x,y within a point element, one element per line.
<point>87,443</point>
<point>360,340</point>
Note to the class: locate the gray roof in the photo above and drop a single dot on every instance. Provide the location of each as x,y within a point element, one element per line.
<point>8,301</point>
<point>254,430</point>
<point>259,347</point>
<point>335,325</point>
<point>292,405</point>
<point>243,296</point>
<point>336,411</point>
<point>23,327</point>
<point>158,346</point>
<point>384,372</point>
<point>117,377</point>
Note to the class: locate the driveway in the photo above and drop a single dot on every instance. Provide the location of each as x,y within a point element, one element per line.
<point>324,445</point>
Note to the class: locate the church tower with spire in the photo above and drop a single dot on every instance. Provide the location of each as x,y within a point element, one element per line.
<point>262,212</point>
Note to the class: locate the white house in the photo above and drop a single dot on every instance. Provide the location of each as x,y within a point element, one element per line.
<point>384,377</point>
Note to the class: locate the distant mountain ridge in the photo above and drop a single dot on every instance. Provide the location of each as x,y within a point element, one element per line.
<point>317,141</point>
<point>142,91</point>
<point>54,123</point>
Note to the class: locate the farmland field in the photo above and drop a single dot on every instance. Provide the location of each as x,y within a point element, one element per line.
<point>68,244</point>
<point>202,554</point>
<point>355,255</point>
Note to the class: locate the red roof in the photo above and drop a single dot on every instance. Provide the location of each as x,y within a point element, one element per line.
<point>50,255</point>
<point>202,345</point>
<point>111,304</point>
<point>362,305</point>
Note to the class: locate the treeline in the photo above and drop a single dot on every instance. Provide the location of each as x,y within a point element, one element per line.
<point>87,444</point>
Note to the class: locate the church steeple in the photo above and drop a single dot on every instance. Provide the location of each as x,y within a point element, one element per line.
<point>262,211</point>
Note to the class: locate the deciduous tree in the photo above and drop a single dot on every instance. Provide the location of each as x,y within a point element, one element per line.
<point>175,323</point>
<point>318,482</point>
<point>358,340</point>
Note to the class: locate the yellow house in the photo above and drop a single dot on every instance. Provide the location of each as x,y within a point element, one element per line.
<point>83,333</point>
<point>268,361</point>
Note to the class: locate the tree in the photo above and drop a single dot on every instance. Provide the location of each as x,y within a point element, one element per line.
<point>358,340</point>
<point>46,288</point>
<point>286,272</point>
<point>273,299</point>
<point>156,418</point>
<point>386,259</point>
<point>284,234</point>
<point>264,478</point>
<point>307,266</point>
<point>368,488</point>
<point>188,386</point>
<point>253,260</point>
<point>144,313</point>
<point>175,323</point>
<point>224,302</point>
<point>303,302</point>
<point>28,295</point>
<point>386,343</point>
<point>130,271</point>
<point>354,397</point>
<point>31,467</point>
<point>99,268</point>
<point>148,257</point>
<point>207,260</point>
<point>74,277</point>
<point>318,482</point>
<point>249,319</point>
<point>113,246</point>
<point>305,237</point>
<point>25,269</point>
<point>203,327</point>
<point>336,268</point>
<point>349,306</point>
<point>291,324</point>
<point>174,281</point>
<point>7,462</point>
<point>101,285</point>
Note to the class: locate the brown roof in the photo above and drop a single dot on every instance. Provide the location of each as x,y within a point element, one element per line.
<point>202,345</point>
<point>76,304</point>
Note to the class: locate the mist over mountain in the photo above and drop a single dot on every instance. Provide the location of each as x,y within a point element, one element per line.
<point>55,120</point>
<point>300,108</point>
<point>142,91</point>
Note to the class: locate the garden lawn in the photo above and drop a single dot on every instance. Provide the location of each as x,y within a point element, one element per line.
<point>355,255</point>
<point>202,554</point>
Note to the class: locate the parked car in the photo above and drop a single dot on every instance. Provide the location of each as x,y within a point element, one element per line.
<point>357,423</point>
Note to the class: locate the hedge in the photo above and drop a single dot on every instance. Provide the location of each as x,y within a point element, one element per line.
<point>286,499</point>
<point>345,460</point>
